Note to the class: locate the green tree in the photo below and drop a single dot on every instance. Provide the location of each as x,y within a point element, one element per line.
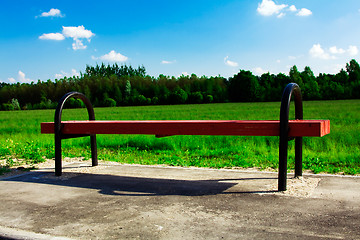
<point>244,87</point>
<point>15,104</point>
<point>117,94</point>
<point>310,89</point>
<point>295,76</point>
<point>109,102</point>
<point>179,96</point>
<point>353,70</point>
<point>128,88</point>
<point>196,97</point>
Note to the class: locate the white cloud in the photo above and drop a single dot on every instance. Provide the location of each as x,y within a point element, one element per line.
<point>21,78</point>
<point>268,8</point>
<point>63,74</point>
<point>59,75</point>
<point>281,15</point>
<point>78,45</point>
<point>112,56</point>
<point>77,32</point>
<point>292,8</point>
<point>230,63</point>
<point>335,50</point>
<point>74,73</point>
<point>52,36</point>
<point>304,12</point>
<point>259,71</point>
<point>185,74</point>
<point>52,13</point>
<point>336,68</point>
<point>295,57</point>
<point>353,50</point>
<point>167,62</point>
<point>318,52</point>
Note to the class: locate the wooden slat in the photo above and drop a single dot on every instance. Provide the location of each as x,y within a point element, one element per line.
<point>298,128</point>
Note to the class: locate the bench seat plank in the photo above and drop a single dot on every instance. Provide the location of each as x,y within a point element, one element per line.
<point>298,128</point>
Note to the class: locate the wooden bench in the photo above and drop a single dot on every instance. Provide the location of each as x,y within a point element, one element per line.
<point>284,128</point>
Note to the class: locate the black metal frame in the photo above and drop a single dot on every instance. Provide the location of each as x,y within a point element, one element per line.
<point>59,135</point>
<point>290,89</point>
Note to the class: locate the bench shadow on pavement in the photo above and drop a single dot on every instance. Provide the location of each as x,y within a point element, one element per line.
<point>138,186</point>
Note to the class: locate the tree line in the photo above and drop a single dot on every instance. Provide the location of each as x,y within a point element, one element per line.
<point>114,85</point>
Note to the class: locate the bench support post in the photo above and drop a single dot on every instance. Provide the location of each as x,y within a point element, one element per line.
<point>59,135</point>
<point>291,89</point>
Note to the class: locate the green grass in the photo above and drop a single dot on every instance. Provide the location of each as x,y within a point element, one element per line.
<point>338,152</point>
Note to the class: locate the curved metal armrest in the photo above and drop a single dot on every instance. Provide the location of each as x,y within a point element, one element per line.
<point>59,135</point>
<point>290,89</point>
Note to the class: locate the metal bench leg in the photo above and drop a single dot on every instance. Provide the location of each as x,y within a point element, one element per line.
<point>291,88</point>
<point>94,158</point>
<point>58,165</point>
<point>298,157</point>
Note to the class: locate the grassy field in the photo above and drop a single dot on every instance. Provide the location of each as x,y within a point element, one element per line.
<point>338,152</point>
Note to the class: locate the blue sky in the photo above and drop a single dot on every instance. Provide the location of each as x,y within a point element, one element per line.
<point>42,39</point>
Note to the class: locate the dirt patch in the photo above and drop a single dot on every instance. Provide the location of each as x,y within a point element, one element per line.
<point>73,167</point>
<point>21,166</point>
<point>299,186</point>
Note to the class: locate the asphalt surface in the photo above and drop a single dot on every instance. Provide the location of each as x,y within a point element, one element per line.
<point>114,201</point>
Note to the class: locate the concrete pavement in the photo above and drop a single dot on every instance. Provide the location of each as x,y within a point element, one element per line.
<point>114,201</point>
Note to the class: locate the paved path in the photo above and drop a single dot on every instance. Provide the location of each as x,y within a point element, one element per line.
<point>115,201</point>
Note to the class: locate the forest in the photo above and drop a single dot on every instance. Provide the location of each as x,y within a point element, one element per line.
<point>114,85</point>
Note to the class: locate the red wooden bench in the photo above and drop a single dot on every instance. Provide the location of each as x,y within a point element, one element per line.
<point>285,128</point>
